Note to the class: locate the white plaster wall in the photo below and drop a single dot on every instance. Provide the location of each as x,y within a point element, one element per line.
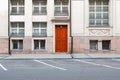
<point>4,18</point>
<point>77,17</point>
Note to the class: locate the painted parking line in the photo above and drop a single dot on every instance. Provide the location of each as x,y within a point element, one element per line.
<point>50,65</point>
<point>97,64</point>
<point>3,67</point>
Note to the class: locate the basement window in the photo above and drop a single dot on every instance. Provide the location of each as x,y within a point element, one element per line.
<point>106,45</point>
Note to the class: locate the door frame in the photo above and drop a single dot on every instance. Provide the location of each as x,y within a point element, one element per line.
<point>68,30</point>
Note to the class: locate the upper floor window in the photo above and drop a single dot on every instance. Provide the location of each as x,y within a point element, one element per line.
<point>17,7</point>
<point>61,7</point>
<point>98,12</point>
<point>39,28</point>
<point>39,6</point>
<point>17,28</point>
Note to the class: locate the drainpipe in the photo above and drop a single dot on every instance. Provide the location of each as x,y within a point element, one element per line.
<point>9,27</point>
<point>71,51</point>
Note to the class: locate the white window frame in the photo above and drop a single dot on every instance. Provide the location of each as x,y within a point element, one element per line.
<point>101,13</point>
<point>40,7</point>
<point>18,45</point>
<point>18,28</point>
<point>61,7</point>
<point>17,6</point>
<point>39,28</point>
<point>39,44</point>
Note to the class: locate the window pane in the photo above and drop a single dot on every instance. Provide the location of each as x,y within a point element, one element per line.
<point>105,9</point>
<point>21,25</point>
<point>36,10</point>
<point>106,45</point>
<point>105,15</point>
<point>21,10</point>
<point>21,31</point>
<point>65,10</point>
<point>92,2</point>
<point>98,16</point>
<point>36,31</point>
<point>42,46</point>
<point>43,31</point>
<point>98,22</point>
<point>36,25</point>
<point>14,31</point>
<point>14,10</point>
<point>105,2</point>
<point>93,44</point>
<point>92,22</point>
<point>15,44</point>
<point>65,3</point>
<point>57,9</point>
<point>20,44</point>
<point>21,2</point>
<point>13,2</point>
<point>43,10</point>
<point>91,9</point>
<point>98,2</point>
<point>98,9</point>
<point>36,44</point>
<point>105,22</point>
<point>57,3</point>
<point>44,3</point>
<point>14,25</point>
<point>35,2</point>
<point>92,16</point>
<point>43,25</point>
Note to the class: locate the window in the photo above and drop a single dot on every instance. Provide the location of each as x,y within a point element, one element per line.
<point>106,44</point>
<point>61,7</point>
<point>17,7</point>
<point>39,28</point>
<point>99,12</point>
<point>93,45</point>
<point>17,44</point>
<point>17,28</point>
<point>39,6</point>
<point>39,44</point>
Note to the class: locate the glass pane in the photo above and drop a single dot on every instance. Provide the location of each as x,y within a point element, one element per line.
<point>105,22</point>
<point>14,10</point>
<point>57,3</point>
<point>44,3</point>
<point>36,10</point>
<point>91,9</point>
<point>21,2</point>
<point>98,22</point>
<point>15,44</point>
<point>105,9</point>
<point>43,25</point>
<point>21,25</point>
<point>13,2</point>
<point>105,15</point>
<point>14,25</point>
<point>36,44</point>
<point>98,2</point>
<point>57,9</point>
<point>65,3</point>
<point>21,31</point>
<point>43,32</point>
<point>36,25</point>
<point>106,45</point>
<point>105,2</point>
<point>92,16</point>
<point>42,42</point>
<point>94,45</point>
<point>98,9</point>
<point>14,31</point>
<point>21,10</point>
<point>92,2</point>
<point>65,10</point>
<point>98,16</point>
<point>92,22</point>
<point>35,2</point>
<point>20,44</point>
<point>43,10</point>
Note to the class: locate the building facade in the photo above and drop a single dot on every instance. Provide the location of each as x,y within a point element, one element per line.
<point>59,26</point>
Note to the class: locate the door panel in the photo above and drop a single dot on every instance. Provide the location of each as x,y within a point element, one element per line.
<point>61,41</point>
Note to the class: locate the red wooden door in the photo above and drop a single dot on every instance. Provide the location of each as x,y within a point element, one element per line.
<point>61,38</point>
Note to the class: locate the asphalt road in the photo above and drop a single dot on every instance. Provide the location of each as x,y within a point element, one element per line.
<point>66,69</point>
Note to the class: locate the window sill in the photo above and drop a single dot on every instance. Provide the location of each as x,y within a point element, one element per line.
<point>99,26</point>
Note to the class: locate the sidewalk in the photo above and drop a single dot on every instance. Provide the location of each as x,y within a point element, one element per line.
<point>58,56</point>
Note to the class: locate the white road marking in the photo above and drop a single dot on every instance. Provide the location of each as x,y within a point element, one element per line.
<point>51,65</point>
<point>116,59</point>
<point>96,64</point>
<point>3,67</point>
